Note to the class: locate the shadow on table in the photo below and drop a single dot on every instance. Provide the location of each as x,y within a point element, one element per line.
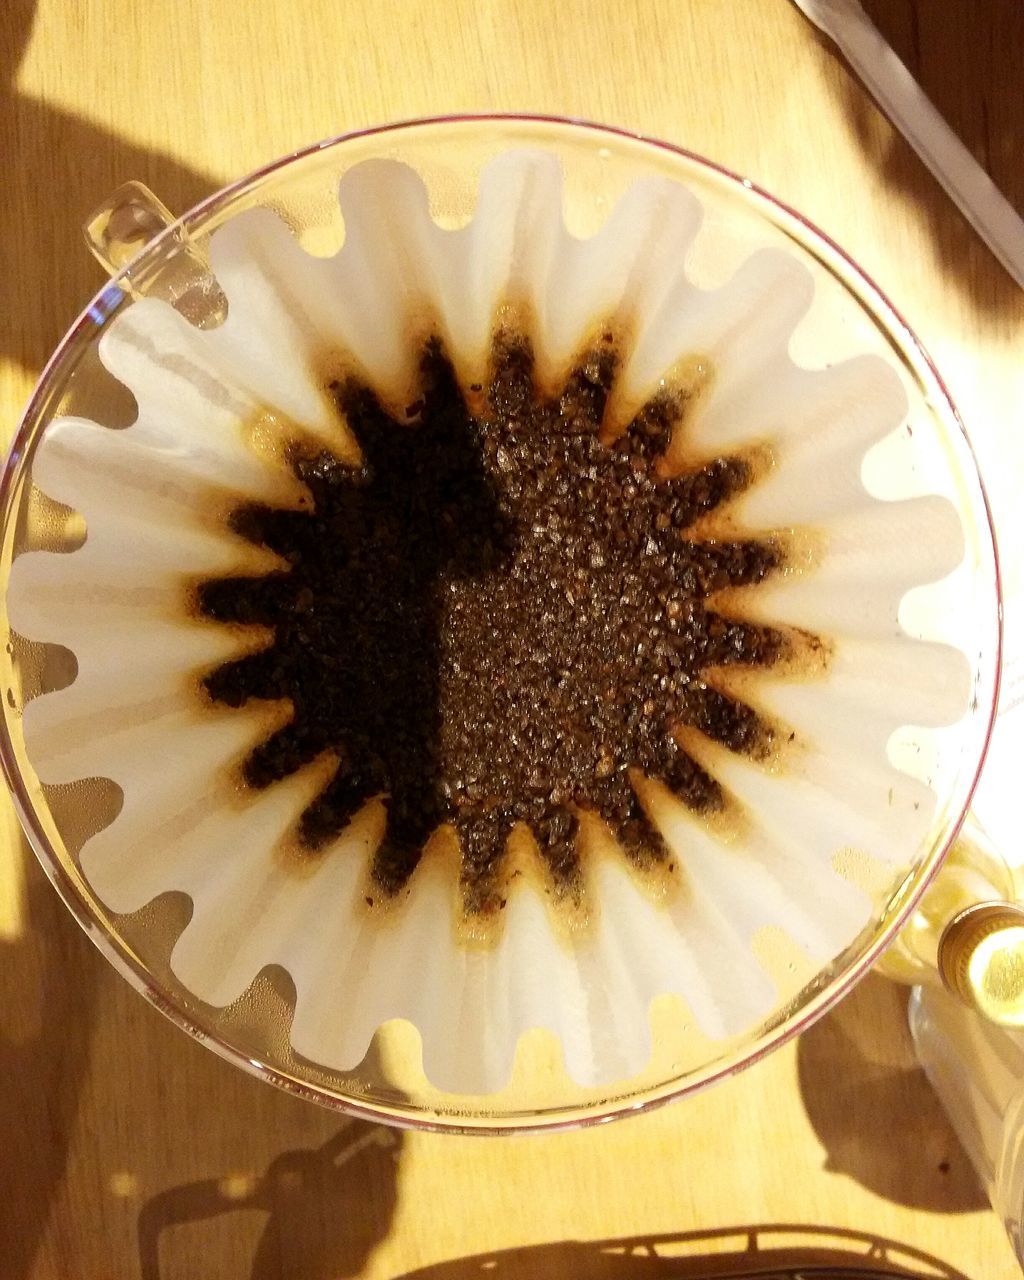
<point>967,57</point>
<point>47,995</point>
<point>59,167</point>
<point>326,1208</point>
<point>697,1255</point>
<point>873,1109</point>
<point>328,1199</point>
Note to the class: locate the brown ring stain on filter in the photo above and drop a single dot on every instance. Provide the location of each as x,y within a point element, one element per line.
<point>496,621</point>
<point>667,410</point>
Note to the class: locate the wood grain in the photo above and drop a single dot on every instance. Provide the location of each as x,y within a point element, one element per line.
<point>127,1151</point>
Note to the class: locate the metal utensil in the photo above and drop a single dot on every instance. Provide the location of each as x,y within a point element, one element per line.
<point>907,106</point>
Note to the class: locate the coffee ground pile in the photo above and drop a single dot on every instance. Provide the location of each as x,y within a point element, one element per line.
<point>493,619</point>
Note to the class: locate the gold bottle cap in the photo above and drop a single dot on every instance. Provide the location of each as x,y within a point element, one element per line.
<point>981,960</point>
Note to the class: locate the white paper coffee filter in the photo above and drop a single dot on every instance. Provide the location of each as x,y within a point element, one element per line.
<point>153,497</point>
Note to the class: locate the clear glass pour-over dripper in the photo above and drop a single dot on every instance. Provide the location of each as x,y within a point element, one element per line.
<point>157,257</point>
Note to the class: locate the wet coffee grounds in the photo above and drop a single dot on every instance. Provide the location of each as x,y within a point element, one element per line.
<point>493,620</point>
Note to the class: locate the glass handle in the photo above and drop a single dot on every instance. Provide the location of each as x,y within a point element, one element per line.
<point>120,229</point>
<point>124,224</point>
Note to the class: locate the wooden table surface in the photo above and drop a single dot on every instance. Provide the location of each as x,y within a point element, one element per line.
<point>128,1151</point>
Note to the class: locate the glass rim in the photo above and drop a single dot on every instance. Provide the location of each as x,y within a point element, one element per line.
<point>911,352</point>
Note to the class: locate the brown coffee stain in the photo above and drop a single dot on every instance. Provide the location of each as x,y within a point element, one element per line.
<point>521,865</point>
<point>727,823</point>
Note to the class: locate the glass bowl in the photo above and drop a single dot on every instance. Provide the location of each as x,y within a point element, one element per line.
<point>598,165</point>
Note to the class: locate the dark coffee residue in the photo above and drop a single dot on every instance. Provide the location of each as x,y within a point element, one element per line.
<point>493,619</point>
